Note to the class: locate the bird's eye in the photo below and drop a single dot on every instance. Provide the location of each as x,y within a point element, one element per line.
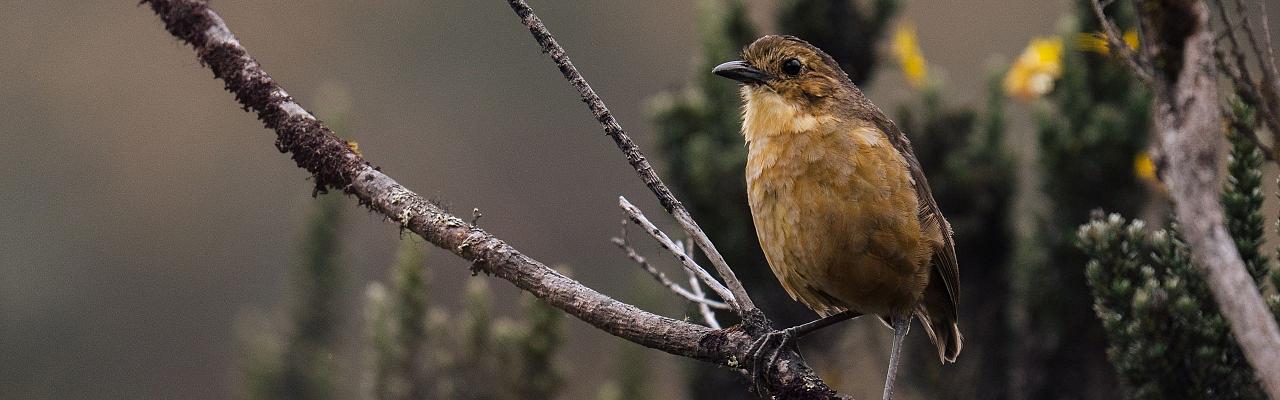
<point>791,66</point>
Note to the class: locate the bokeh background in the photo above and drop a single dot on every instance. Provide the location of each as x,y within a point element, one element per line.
<point>148,225</point>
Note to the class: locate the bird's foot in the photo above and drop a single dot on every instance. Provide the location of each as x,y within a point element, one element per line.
<point>764,354</point>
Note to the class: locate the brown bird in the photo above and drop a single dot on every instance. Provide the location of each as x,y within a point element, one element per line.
<point>841,207</point>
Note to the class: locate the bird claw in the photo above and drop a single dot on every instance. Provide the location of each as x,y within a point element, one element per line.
<point>764,354</point>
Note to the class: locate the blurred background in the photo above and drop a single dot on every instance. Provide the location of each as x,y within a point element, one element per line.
<point>154,244</point>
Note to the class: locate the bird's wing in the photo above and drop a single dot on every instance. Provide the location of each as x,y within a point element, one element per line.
<point>944,257</point>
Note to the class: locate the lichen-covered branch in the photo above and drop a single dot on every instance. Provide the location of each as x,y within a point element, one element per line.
<point>335,165</point>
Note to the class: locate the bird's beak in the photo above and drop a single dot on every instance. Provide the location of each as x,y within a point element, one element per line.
<point>742,72</point>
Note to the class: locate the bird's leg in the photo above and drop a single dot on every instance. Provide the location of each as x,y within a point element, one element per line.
<point>802,330</point>
<point>760,364</point>
<point>760,368</point>
<point>900,327</point>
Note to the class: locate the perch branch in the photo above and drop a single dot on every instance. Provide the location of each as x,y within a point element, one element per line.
<point>740,300</point>
<point>1187,118</point>
<point>334,165</point>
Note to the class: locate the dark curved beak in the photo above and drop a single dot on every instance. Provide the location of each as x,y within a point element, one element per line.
<point>742,72</point>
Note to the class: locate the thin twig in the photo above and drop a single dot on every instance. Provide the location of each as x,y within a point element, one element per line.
<point>1267,63</point>
<point>1137,66</point>
<point>1270,60</point>
<point>744,305</point>
<point>692,296</point>
<point>703,308</point>
<point>707,314</point>
<point>1268,74</point>
<point>1246,96</point>
<point>1237,69</point>
<point>669,245</point>
<point>1250,133</point>
<point>1240,73</point>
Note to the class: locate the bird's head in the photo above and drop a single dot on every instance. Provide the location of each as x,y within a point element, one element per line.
<point>788,69</point>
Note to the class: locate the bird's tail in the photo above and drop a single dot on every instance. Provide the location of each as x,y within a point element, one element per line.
<point>943,332</point>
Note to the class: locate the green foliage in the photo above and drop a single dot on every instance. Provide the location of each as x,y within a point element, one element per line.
<point>398,329</point>
<point>1242,198</point>
<point>972,177</point>
<point>1168,340</point>
<point>304,367</point>
<point>1167,337</point>
<point>422,352</point>
<point>630,376</point>
<point>539,376</point>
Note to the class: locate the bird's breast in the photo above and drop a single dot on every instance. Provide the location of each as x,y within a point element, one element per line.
<point>836,214</point>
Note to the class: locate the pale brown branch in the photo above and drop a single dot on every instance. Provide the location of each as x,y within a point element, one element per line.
<point>1188,120</point>
<point>741,301</point>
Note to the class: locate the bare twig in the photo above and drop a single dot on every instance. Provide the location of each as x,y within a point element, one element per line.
<point>1270,60</point>
<point>1240,66</point>
<point>1188,120</point>
<point>707,315</point>
<point>637,159</point>
<point>692,296</point>
<point>1137,65</point>
<point>1260,49</point>
<point>1251,133</point>
<point>705,309</point>
<point>334,165</point>
<point>676,250</point>
<point>1261,96</point>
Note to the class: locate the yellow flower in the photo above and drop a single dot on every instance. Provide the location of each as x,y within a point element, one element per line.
<point>1143,167</point>
<point>906,49</point>
<point>1033,73</point>
<point>1097,41</point>
<point>1091,41</point>
<point>1131,38</point>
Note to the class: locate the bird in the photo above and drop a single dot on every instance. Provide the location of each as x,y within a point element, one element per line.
<point>841,207</point>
